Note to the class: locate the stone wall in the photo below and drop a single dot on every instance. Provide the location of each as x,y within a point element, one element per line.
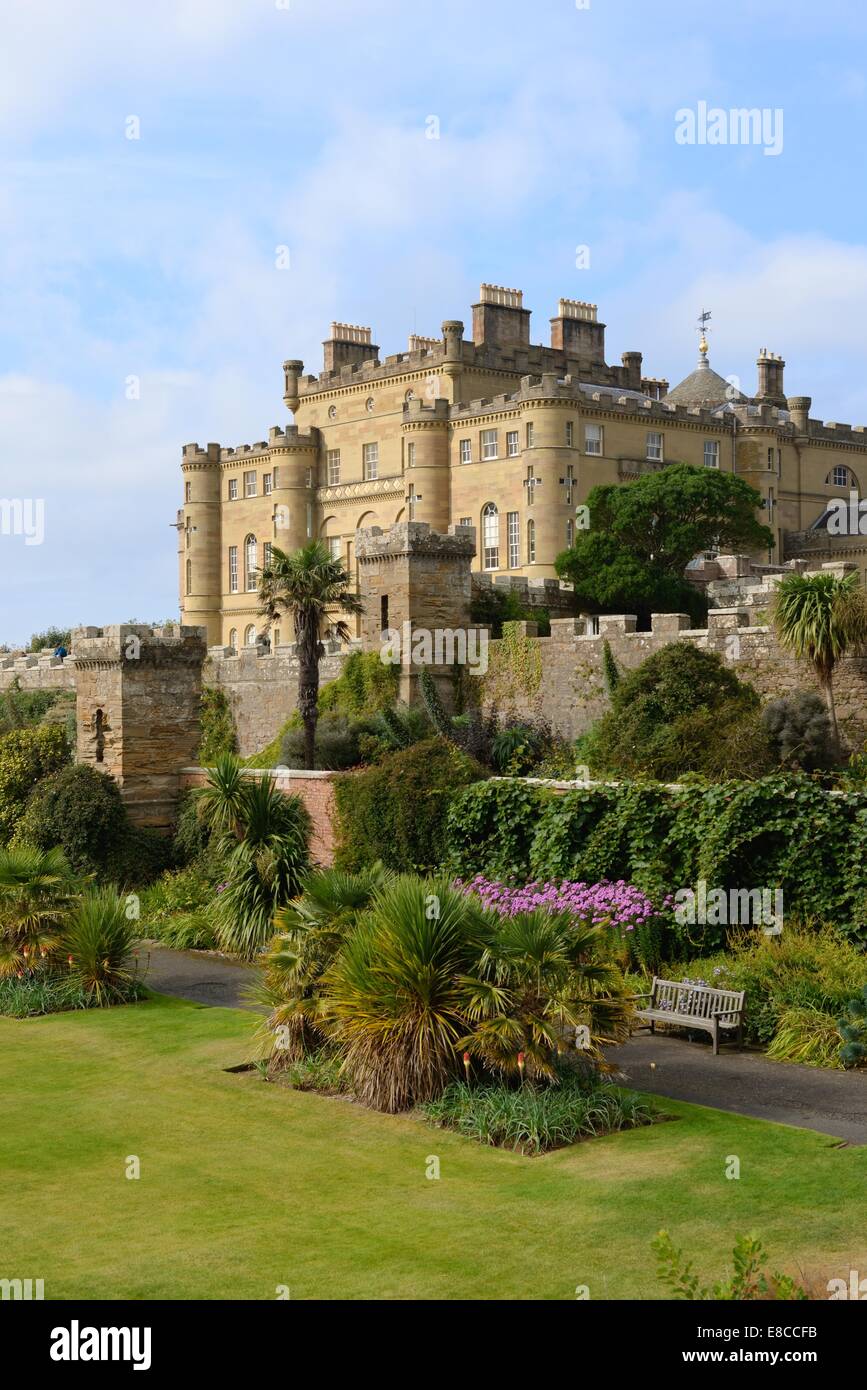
<point>262,688</point>
<point>567,687</point>
<point>316,790</point>
<point>36,671</point>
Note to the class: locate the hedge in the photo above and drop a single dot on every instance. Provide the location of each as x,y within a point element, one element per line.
<point>396,810</point>
<point>783,831</point>
<point>26,755</point>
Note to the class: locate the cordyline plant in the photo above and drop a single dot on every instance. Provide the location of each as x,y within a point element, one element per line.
<point>37,890</point>
<point>821,617</point>
<point>312,587</point>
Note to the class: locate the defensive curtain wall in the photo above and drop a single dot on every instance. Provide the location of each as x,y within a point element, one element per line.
<point>138,689</point>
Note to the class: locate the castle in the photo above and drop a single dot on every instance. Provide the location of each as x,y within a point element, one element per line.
<point>496,433</point>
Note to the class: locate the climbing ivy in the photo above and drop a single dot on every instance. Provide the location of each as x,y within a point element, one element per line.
<point>515,664</point>
<point>784,831</point>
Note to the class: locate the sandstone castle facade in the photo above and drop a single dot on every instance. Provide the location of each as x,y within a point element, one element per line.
<point>496,433</point>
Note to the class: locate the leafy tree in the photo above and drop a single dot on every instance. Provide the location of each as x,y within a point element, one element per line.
<point>52,637</point>
<point>79,809</point>
<point>311,587</point>
<point>821,617</point>
<point>643,534</point>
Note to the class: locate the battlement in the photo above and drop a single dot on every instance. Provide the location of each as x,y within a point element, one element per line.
<point>414,538</point>
<point>128,643</point>
<point>426,412</point>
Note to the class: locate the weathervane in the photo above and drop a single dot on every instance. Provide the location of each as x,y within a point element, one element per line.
<point>703,321</point>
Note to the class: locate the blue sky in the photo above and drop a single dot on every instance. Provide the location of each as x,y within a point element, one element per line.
<point>304,125</point>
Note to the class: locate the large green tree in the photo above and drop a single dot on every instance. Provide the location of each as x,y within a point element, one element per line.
<point>641,536</point>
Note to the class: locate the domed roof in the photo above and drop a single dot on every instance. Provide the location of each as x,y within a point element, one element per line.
<point>705,387</point>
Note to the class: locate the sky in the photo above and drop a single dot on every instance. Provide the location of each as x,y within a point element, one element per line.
<point>160,164</point>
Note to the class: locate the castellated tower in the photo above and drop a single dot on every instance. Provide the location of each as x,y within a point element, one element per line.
<point>199,538</point>
<point>412,579</point>
<point>138,693</point>
<point>426,449</point>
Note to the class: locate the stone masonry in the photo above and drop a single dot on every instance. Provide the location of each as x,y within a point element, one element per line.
<point>138,694</point>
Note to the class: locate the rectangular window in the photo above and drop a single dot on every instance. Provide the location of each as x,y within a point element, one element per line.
<point>334,547</point>
<point>466,521</point>
<point>274,476</point>
<point>267,484</point>
<point>309,520</point>
<point>654,446</point>
<point>489,444</point>
<point>529,436</point>
<point>410,502</point>
<point>570,483</point>
<point>466,451</point>
<point>332,464</point>
<point>531,542</point>
<point>512,446</point>
<point>188,489</point>
<point>593,439</point>
<point>308,478</point>
<point>233,489</point>
<point>840,475</point>
<point>513,527</point>
<point>410,455</point>
<point>233,569</point>
<point>266,553</point>
<point>250,484</point>
<point>530,484</point>
<point>711,453</point>
<point>570,434</point>
<point>370,460</point>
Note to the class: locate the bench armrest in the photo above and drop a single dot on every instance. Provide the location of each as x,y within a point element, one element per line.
<point>724,1013</point>
<point>648,995</point>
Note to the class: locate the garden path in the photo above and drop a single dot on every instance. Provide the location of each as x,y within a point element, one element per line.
<point>832,1102</point>
<point>201,976</point>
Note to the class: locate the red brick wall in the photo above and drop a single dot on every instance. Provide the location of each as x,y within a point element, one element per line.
<point>316,790</point>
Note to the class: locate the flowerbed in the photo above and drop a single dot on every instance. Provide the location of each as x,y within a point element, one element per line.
<point>618,904</point>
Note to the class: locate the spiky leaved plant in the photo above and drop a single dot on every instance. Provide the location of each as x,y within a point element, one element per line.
<point>821,617</point>
<point>310,931</point>
<point>265,867</point>
<point>395,998</point>
<point>544,976</point>
<point>100,939</point>
<point>37,889</point>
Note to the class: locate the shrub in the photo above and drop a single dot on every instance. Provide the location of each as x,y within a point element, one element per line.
<point>338,743</point>
<point>139,857</point>
<point>801,969</point>
<point>42,993</point>
<point>534,1119</point>
<point>187,931</point>
<point>26,755</point>
<point>79,809</point>
<point>807,1035</point>
<point>671,714</point>
<point>192,838</point>
<point>37,888</point>
<point>310,931</point>
<point>217,724</point>
<point>395,812</point>
<point>800,731</point>
<point>264,868</point>
<point>748,1280</point>
<point>100,940</point>
<point>23,709</point>
<point>178,909</point>
<point>394,1003</point>
<point>365,685</point>
<point>853,1031</point>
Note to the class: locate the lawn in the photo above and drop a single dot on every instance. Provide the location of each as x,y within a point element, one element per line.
<point>246,1186</point>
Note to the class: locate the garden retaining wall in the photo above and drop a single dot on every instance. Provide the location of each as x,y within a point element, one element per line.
<point>316,790</point>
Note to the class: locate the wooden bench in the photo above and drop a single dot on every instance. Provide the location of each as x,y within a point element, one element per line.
<point>694,1006</point>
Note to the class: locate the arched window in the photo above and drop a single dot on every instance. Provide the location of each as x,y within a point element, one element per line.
<point>841,476</point>
<point>189,576</point>
<point>531,542</point>
<point>251,562</point>
<point>250,635</point>
<point>490,537</point>
<point>233,638</point>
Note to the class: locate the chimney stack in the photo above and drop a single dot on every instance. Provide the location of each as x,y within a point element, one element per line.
<point>770,389</point>
<point>349,345</point>
<point>577,332</point>
<point>500,319</point>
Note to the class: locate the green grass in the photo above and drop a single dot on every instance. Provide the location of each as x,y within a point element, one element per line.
<point>246,1185</point>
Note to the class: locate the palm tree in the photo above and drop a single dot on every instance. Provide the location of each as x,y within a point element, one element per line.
<point>310,585</point>
<point>310,932</point>
<point>37,888</point>
<point>544,976</point>
<point>393,1001</point>
<point>100,939</point>
<point>820,617</point>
